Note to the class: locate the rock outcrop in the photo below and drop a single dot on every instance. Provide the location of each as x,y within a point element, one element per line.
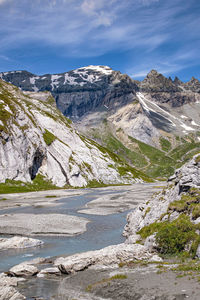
<point>35,138</point>
<point>110,255</point>
<point>175,200</point>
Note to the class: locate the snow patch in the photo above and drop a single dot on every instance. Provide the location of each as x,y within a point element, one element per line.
<point>33,79</point>
<point>188,128</point>
<point>54,80</point>
<point>102,69</point>
<point>194,123</point>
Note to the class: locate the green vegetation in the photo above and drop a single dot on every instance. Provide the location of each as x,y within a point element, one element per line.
<point>118,276</point>
<point>172,238</point>
<point>105,280</point>
<point>123,167</point>
<point>155,163</point>
<point>197,159</point>
<point>95,184</point>
<point>179,152</point>
<point>161,165</point>
<point>127,155</point>
<point>48,137</point>
<point>165,144</point>
<point>189,203</point>
<point>147,211</point>
<point>38,184</point>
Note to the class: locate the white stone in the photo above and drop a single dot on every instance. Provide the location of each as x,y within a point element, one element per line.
<point>113,254</point>
<point>7,288</point>
<point>19,242</point>
<point>24,270</point>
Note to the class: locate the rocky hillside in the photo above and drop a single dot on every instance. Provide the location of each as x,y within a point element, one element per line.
<point>170,222</point>
<point>36,139</point>
<point>139,121</point>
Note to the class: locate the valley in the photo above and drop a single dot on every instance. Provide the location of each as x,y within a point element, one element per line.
<point>97,128</point>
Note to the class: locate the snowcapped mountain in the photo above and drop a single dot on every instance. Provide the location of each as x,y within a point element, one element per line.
<point>35,138</point>
<point>79,91</point>
<point>102,103</point>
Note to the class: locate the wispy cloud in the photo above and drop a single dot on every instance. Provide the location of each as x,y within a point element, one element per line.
<point>154,30</point>
<point>2,1</point>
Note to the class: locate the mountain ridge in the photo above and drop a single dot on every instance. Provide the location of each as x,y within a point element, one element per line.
<point>101,102</point>
<point>35,138</point>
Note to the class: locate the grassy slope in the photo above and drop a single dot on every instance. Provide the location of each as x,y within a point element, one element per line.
<point>155,163</point>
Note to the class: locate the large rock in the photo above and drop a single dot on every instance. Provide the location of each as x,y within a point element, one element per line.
<point>23,269</point>
<point>19,242</point>
<point>7,288</point>
<point>107,256</point>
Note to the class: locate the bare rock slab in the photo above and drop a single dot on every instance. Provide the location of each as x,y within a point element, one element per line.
<point>42,224</point>
<point>23,269</point>
<point>19,242</point>
<point>110,255</point>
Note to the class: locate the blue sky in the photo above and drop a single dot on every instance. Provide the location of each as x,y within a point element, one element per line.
<point>133,36</point>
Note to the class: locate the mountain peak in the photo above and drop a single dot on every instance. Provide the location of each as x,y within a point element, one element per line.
<point>177,81</point>
<point>152,73</point>
<point>105,70</point>
<point>194,80</point>
<point>156,82</point>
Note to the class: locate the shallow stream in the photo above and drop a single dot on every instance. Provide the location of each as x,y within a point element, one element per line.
<point>101,231</point>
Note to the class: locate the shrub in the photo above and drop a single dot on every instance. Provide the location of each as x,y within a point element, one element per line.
<point>173,237</point>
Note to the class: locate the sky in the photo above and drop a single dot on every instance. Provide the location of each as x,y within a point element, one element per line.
<point>132,36</point>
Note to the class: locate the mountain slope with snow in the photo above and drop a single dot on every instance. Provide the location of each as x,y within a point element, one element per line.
<point>158,111</point>
<point>35,138</point>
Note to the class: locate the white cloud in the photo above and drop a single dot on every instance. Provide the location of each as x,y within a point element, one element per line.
<point>3,1</point>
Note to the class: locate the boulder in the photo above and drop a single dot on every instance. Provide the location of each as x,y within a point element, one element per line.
<point>49,271</point>
<point>19,242</point>
<point>150,243</point>
<point>23,269</point>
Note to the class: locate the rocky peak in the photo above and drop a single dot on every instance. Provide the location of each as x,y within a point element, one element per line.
<point>177,81</point>
<point>156,82</point>
<point>193,85</point>
<point>152,73</point>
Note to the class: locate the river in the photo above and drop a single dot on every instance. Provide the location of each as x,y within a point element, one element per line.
<point>102,230</point>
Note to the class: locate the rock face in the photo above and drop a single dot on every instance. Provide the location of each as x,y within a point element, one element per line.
<point>19,242</point>
<point>85,91</point>
<point>156,209</point>
<point>35,138</point>
<point>78,91</point>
